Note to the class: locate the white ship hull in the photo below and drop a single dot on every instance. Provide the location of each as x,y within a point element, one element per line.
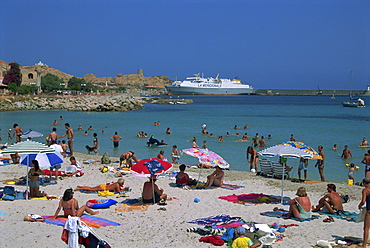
<point>209,86</point>
<point>185,90</point>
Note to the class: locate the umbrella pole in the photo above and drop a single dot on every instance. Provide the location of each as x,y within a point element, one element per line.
<point>282,186</point>
<point>199,175</point>
<point>28,162</point>
<point>153,191</point>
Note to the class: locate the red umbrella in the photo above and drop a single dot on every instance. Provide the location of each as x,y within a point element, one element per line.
<point>151,166</point>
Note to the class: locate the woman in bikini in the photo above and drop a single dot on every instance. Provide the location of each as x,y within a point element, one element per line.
<point>33,175</point>
<point>116,187</point>
<point>70,206</point>
<point>300,207</point>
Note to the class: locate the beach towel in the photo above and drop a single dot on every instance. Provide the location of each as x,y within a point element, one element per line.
<point>231,186</point>
<point>129,208</point>
<point>280,213</point>
<point>348,216</point>
<point>250,199</point>
<point>91,221</point>
<point>215,220</point>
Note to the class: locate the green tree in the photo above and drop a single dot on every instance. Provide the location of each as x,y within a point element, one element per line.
<point>51,82</point>
<point>77,84</point>
<point>13,75</point>
<point>13,87</point>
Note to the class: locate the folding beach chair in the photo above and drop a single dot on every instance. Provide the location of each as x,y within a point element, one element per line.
<point>266,168</point>
<point>278,171</point>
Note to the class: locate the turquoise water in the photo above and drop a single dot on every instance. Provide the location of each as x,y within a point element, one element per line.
<point>315,120</point>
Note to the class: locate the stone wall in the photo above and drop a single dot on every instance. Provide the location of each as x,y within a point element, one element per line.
<point>119,103</point>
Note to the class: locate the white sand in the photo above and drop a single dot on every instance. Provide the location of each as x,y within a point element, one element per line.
<point>154,228</point>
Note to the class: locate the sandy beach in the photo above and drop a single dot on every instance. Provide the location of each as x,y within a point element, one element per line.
<point>158,228</point>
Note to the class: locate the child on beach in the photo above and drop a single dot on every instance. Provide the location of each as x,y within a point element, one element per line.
<point>350,172</point>
<point>175,154</point>
<point>241,241</point>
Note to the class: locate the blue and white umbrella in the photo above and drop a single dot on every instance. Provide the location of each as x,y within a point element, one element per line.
<point>46,160</point>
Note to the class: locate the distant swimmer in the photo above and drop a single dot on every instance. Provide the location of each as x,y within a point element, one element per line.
<point>227,134</point>
<point>254,142</point>
<point>292,138</point>
<point>220,139</point>
<point>168,131</point>
<point>55,123</point>
<point>91,128</point>
<point>364,142</point>
<point>61,118</point>
<point>204,144</point>
<point>269,136</point>
<point>204,131</point>
<point>204,126</point>
<point>261,142</point>
<point>236,127</point>
<point>346,153</point>
<point>335,147</point>
<point>211,135</point>
<point>80,127</point>
<point>194,143</point>
<point>245,127</point>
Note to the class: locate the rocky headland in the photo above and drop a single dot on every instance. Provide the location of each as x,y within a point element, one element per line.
<point>96,103</point>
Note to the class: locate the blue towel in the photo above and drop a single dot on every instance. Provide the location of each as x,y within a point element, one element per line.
<point>348,216</point>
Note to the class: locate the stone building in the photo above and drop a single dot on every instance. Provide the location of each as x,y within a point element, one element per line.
<point>29,76</point>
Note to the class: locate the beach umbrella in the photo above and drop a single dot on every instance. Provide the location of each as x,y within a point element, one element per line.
<point>31,134</point>
<point>286,151</point>
<point>302,146</point>
<point>206,157</point>
<point>28,147</point>
<point>151,167</point>
<point>46,160</point>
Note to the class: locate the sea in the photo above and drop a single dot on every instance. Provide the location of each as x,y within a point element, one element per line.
<point>314,120</point>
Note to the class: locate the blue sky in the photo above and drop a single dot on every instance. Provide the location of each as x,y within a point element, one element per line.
<point>286,44</point>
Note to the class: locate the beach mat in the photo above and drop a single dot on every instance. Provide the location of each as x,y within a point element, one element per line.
<point>348,216</point>
<point>129,208</point>
<point>250,199</point>
<point>280,213</point>
<point>216,220</point>
<point>91,221</point>
<point>231,186</point>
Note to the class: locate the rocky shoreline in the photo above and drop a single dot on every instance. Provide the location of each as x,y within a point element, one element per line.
<point>90,103</point>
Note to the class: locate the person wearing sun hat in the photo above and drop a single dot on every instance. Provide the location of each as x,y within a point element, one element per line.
<point>241,241</point>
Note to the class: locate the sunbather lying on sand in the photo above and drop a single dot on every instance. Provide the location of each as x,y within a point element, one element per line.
<point>70,206</point>
<point>116,187</point>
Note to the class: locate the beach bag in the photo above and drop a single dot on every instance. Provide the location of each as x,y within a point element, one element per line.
<point>105,159</point>
<point>361,215</point>
<point>9,193</point>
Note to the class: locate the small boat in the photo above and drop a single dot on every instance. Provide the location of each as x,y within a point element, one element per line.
<point>353,103</point>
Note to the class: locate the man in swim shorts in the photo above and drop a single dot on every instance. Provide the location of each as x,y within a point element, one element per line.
<point>116,138</point>
<point>320,163</point>
<point>18,132</point>
<point>148,195</point>
<point>70,134</point>
<point>331,202</point>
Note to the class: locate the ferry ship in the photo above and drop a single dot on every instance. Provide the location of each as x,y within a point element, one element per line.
<point>209,86</point>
